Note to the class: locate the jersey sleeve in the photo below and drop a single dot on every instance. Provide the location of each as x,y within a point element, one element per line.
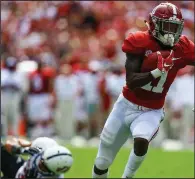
<point>135,43</point>
<point>188,51</point>
<point>189,55</point>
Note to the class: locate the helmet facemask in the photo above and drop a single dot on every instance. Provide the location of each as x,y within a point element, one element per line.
<point>43,169</point>
<point>167,31</point>
<point>55,161</point>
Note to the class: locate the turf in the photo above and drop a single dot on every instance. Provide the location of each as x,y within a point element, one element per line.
<point>158,164</point>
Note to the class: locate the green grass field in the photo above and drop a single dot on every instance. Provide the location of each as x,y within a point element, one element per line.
<point>158,164</point>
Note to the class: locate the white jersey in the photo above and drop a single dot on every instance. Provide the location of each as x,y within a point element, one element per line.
<point>30,169</point>
<point>179,98</point>
<point>14,81</point>
<point>114,84</point>
<point>13,87</point>
<point>68,91</point>
<point>90,86</point>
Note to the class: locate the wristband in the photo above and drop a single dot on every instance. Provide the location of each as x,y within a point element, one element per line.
<point>156,73</point>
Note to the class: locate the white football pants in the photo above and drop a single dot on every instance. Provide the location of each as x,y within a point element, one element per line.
<point>64,118</point>
<point>126,118</point>
<point>10,112</point>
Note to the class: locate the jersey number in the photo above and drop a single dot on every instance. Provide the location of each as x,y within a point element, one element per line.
<point>160,86</point>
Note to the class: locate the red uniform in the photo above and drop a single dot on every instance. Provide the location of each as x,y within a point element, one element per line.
<point>39,99</point>
<point>40,81</point>
<point>153,94</point>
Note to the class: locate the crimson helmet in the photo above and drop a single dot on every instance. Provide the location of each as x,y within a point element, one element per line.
<point>166,23</point>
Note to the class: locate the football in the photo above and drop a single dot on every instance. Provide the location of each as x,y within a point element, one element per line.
<point>148,61</point>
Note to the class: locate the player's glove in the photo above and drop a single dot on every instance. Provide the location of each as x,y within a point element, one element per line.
<point>165,64</point>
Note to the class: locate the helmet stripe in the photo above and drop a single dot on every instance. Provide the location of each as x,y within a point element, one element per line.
<point>58,155</point>
<point>154,10</point>
<point>173,8</point>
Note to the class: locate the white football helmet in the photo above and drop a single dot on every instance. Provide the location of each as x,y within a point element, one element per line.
<point>43,143</point>
<point>57,159</point>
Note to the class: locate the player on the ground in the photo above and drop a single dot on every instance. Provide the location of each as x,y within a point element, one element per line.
<point>47,159</point>
<point>153,59</point>
<point>11,160</point>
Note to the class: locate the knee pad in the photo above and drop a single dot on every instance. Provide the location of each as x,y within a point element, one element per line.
<point>140,146</point>
<point>102,163</point>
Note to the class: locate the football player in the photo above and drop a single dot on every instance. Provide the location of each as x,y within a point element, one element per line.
<point>39,101</point>
<point>153,60</point>
<point>47,159</point>
<point>12,92</point>
<point>11,160</point>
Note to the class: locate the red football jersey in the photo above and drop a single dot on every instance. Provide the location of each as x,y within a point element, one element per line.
<point>40,82</point>
<point>153,94</point>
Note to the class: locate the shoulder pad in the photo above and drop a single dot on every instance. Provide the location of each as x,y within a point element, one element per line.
<point>136,42</point>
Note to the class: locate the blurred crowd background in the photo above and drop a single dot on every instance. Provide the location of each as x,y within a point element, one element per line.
<point>62,67</point>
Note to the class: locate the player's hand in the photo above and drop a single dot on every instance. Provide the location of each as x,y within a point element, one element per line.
<point>165,64</point>
<point>24,143</point>
<point>12,147</point>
